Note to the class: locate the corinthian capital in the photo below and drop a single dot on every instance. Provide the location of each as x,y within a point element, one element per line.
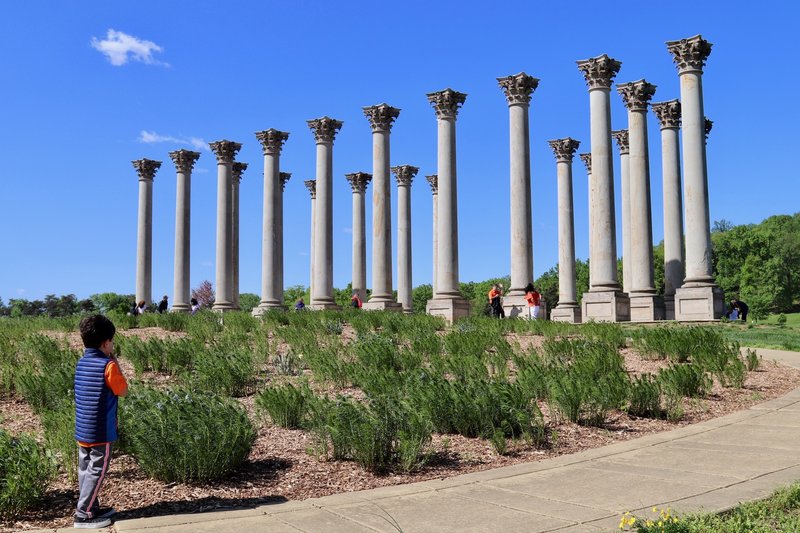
<point>358,181</point>
<point>237,170</point>
<point>447,102</point>
<point>284,177</point>
<point>381,116</point>
<point>599,71</point>
<point>184,160</point>
<point>690,54</point>
<point>708,124</point>
<point>668,113</point>
<point>621,136</point>
<point>225,150</point>
<point>433,181</point>
<point>272,140</point>
<point>311,185</point>
<point>518,88</point>
<point>587,160</point>
<point>325,128</point>
<point>146,168</point>
<point>564,149</point>
<point>636,94</point>
<point>405,174</point>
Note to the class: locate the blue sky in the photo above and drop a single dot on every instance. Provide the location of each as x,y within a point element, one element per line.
<point>71,120</point>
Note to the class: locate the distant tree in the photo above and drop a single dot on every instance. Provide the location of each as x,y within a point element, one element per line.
<point>248,300</point>
<point>721,226</point>
<point>294,293</point>
<point>204,293</point>
<point>420,296</point>
<point>547,286</point>
<point>112,301</point>
<point>3,308</point>
<point>21,307</point>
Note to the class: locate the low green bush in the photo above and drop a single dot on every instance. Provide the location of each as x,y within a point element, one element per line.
<point>287,405</point>
<point>26,471</point>
<point>180,435</point>
<point>46,372</point>
<point>752,360</point>
<point>684,380</point>
<point>644,397</point>
<point>59,437</point>
<point>225,367</point>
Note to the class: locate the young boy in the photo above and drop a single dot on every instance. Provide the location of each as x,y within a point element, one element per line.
<point>98,384</point>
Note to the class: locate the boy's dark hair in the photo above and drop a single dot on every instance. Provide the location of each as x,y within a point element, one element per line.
<point>95,330</point>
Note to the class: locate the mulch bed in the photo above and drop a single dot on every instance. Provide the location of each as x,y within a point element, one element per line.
<point>282,465</point>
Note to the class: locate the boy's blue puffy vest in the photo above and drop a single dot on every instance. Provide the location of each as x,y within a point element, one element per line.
<point>95,404</point>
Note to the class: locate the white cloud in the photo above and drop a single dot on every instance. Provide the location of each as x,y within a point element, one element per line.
<point>149,137</point>
<point>119,48</point>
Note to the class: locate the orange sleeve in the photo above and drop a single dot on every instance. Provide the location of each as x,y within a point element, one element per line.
<point>115,380</point>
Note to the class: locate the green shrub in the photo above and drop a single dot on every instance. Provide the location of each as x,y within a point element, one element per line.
<point>645,397</point>
<point>752,360</point>
<point>26,471</point>
<point>143,355</point>
<point>174,321</point>
<point>180,435</point>
<point>684,380</point>
<point>286,404</point>
<point>225,367</point>
<point>59,437</point>
<point>46,373</point>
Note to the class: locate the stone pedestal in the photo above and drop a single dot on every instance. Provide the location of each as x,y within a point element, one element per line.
<point>669,307</point>
<point>699,303</point>
<point>646,308</point>
<point>517,307</point>
<point>571,314</point>
<point>450,309</point>
<point>606,306</point>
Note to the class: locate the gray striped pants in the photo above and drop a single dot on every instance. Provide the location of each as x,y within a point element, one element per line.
<point>92,467</point>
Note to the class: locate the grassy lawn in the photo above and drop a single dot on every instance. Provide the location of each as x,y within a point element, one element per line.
<point>766,334</point>
<point>778,513</point>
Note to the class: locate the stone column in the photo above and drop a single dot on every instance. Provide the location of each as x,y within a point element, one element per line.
<point>447,301</point>
<point>433,181</point>
<point>605,300</point>
<point>405,175</point>
<point>358,182</point>
<point>381,118</point>
<point>621,136</point>
<point>146,169</point>
<point>311,185</point>
<point>272,226</point>
<point>699,298</point>
<point>325,130</point>
<point>225,152</point>
<point>518,90</point>
<point>646,304</point>
<point>567,309</point>
<point>184,163</point>
<point>587,161</point>
<point>237,171</point>
<point>669,119</point>
<point>284,177</point>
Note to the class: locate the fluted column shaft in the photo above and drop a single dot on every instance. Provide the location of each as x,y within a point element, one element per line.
<point>621,136</point>
<point>447,277</point>
<point>236,178</point>
<point>433,180</point>
<point>284,178</point>
<point>521,233</point>
<point>225,152</point>
<point>564,150</point>
<point>587,161</point>
<point>324,131</point>
<point>311,185</point>
<point>146,169</point>
<point>184,161</point>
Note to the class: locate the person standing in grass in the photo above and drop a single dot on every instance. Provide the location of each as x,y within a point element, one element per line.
<point>99,382</point>
<point>355,300</point>
<point>494,301</point>
<point>533,298</point>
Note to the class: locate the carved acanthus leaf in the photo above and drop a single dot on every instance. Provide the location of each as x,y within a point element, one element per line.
<point>446,103</point>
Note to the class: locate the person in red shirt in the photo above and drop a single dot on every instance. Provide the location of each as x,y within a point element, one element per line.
<point>355,301</point>
<point>533,298</point>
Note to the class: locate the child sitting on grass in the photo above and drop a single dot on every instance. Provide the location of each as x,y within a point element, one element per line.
<point>98,384</point>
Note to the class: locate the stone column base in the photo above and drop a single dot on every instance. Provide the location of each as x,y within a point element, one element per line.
<point>647,308</point>
<point>515,306</point>
<point>699,303</point>
<point>451,309</point>
<point>263,307</point>
<point>382,305</point>
<point>224,307</point>
<point>606,306</point>
<point>570,313</point>
<point>669,307</point>
<point>180,308</point>
<point>324,306</point>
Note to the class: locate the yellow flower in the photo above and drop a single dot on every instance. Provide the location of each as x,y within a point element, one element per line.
<point>655,509</point>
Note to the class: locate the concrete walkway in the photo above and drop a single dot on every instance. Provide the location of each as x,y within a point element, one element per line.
<point>711,466</point>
